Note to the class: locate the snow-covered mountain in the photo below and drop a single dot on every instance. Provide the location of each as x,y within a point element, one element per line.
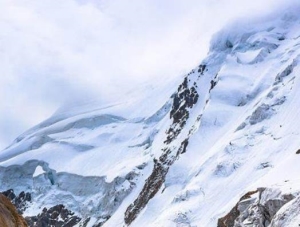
<point>218,148</point>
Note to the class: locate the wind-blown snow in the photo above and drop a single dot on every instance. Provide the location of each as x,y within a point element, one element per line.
<point>242,135</point>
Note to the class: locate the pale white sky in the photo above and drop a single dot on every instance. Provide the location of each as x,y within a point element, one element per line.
<point>52,52</point>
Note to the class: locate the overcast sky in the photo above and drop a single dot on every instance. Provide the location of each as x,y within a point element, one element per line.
<point>52,52</point>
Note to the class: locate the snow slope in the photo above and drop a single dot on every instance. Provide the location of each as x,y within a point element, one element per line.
<point>183,153</point>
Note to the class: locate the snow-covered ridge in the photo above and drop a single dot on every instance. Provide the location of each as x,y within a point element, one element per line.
<point>183,156</point>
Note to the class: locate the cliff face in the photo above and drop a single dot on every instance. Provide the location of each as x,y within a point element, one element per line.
<point>265,207</point>
<point>9,216</point>
<point>182,154</point>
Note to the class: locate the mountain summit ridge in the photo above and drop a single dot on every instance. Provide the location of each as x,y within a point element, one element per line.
<point>218,149</point>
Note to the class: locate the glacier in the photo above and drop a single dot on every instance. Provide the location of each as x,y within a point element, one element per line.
<point>218,147</point>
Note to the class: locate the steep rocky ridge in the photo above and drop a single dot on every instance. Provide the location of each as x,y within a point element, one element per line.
<point>260,208</point>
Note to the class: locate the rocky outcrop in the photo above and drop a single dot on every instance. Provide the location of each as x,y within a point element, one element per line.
<point>9,216</point>
<point>177,134</point>
<point>256,209</point>
<point>229,219</point>
<point>57,216</point>
<point>151,187</point>
<point>19,201</point>
<point>154,182</point>
<point>185,98</point>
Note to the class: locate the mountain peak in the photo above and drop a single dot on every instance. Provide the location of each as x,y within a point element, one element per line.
<point>218,148</point>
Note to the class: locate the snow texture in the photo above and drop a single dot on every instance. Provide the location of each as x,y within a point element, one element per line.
<point>179,154</point>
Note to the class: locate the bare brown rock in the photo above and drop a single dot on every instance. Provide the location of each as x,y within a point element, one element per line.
<point>258,212</point>
<point>9,216</point>
<point>185,98</point>
<point>229,219</point>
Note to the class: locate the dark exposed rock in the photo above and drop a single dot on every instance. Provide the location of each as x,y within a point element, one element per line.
<point>201,69</point>
<point>154,182</point>
<point>183,147</point>
<point>257,212</point>
<point>151,187</point>
<point>298,152</point>
<point>9,194</point>
<point>21,201</point>
<point>184,98</point>
<point>57,216</point>
<point>212,84</point>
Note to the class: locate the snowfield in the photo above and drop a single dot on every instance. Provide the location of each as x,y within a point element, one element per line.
<point>219,147</point>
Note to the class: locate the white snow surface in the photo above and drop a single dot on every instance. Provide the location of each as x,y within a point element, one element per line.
<point>246,137</point>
